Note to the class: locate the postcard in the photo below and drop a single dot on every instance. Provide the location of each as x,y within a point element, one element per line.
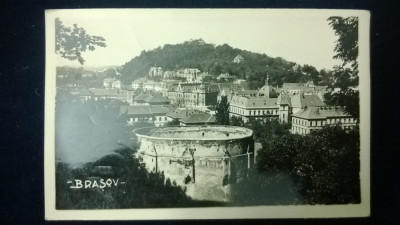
<point>156,114</point>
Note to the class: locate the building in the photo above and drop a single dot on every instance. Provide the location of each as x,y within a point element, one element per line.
<point>80,92</point>
<point>190,74</point>
<point>155,71</point>
<point>138,83</point>
<point>206,160</point>
<point>152,86</point>
<point>197,118</point>
<point>157,99</point>
<point>238,59</point>
<point>256,107</point>
<point>300,101</point>
<point>228,90</point>
<point>145,113</point>
<point>112,83</point>
<point>285,107</point>
<point>255,104</point>
<point>141,99</point>
<point>305,88</point>
<point>226,77</point>
<point>159,113</point>
<point>192,95</point>
<point>104,93</point>
<point>127,95</point>
<point>314,118</point>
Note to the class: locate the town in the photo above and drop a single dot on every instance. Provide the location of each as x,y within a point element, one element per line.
<point>188,96</point>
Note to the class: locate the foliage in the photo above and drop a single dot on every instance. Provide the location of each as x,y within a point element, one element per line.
<point>266,189</point>
<point>347,44</point>
<point>141,189</point>
<point>346,74</point>
<point>71,42</point>
<point>216,60</point>
<point>348,98</point>
<point>264,129</point>
<point>324,167</point>
<point>222,111</point>
<point>236,121</point>
<point>174,122</point>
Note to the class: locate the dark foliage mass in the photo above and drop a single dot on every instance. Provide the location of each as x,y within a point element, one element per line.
<point>345,75</point>
<point>219,59</point>
<point>140,190</point>
<point>323,165</point>
<point>222,111</point>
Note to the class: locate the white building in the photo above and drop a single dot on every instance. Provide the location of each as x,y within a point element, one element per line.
<point>314,118</point>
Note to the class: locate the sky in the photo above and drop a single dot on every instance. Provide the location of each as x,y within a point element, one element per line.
<point>304,37</point>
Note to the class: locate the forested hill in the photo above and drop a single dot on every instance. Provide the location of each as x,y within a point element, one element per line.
<point>219,59</point>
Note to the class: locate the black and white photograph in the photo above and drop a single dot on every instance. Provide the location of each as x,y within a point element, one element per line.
<point>206,114</point>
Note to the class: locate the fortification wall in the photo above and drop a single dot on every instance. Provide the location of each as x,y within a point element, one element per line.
<point>207,165</point>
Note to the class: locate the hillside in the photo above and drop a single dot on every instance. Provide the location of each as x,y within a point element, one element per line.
<point>219,59</point>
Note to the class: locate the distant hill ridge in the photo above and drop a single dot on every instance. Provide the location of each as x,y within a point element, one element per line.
<point>216,60</point>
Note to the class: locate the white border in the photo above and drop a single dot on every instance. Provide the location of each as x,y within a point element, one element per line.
<point>304,211</point>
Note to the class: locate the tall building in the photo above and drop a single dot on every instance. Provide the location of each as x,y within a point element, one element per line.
<point>256,104</point>
<point>192,94</point>
<point>155,71</point>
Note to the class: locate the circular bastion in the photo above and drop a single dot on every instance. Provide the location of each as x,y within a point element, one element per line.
<point>206,160</point>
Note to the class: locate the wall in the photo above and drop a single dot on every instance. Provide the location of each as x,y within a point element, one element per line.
<point>218,164</point>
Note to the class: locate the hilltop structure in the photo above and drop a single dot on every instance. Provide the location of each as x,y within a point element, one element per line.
<point>238,59</point>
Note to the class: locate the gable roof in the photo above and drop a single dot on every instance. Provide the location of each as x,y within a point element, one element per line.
<point>180,113</point>
<point>157,98</point>
<point>141,97</point>
<point>198,117</point>
<point>253,102</point>
<point>159,109</point>
<point>306,100</point>
<point>284,99</point>
<point>321,112</point>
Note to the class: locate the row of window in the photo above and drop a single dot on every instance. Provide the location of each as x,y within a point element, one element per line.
<point>157,118</point>
<point>254,112</point>
<point>299,130</point>
<point>322,122</point>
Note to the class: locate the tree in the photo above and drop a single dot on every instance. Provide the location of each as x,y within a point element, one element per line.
<point>71,42</point>
<point>347,44</point>
<point>324,167</point>
<point>174,122</point>
<point>346,74</point>
<point>222,111</point>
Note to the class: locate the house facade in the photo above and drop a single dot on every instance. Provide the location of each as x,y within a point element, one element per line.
<point>314,118</point>
<point>192,94</point>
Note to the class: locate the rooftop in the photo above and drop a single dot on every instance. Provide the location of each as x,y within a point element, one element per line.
<point>321,112</point>
<point>104,92</point>
<point>306,100</point>
<point>198,117</point>
<point>157,98</point>
<point>253,102</point>
<point>196,133</point>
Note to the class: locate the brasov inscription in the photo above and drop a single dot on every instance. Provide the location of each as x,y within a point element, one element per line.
<point>102,183</point>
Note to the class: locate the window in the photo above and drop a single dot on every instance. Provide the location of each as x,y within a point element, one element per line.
<point>250,112</point>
